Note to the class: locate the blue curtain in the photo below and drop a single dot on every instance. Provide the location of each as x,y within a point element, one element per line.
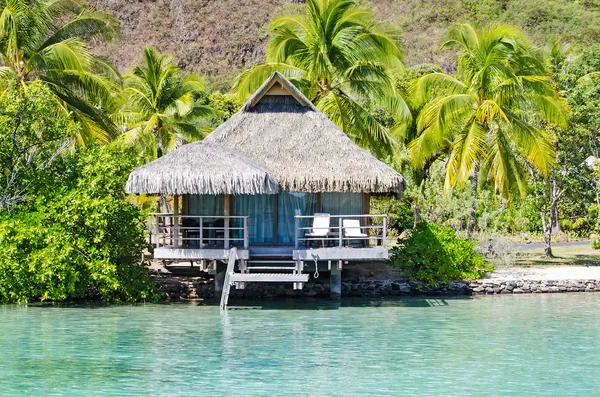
<point>290,204</point>
<point>206,205</point>
<point>260,212</point>
<point>341,204</point>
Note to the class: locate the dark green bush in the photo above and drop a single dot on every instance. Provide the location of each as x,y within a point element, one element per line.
<point>436,254</point>
<point>83,237</point>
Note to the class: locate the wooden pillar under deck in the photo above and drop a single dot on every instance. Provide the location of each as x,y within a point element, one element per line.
<point>220,270</point>
<point>335,282</point>
<point>226,214</point>
<point>176,221</point>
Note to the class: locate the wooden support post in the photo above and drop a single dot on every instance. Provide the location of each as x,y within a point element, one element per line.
<point>220,271</point>
<point>296,232</point>
<point>243,270</point>
<point>201,232</point>
<point>176,221</point>
<point>246,237</point>
<point>226,213</point>
<point>156,238</point>
<point>335,283</point>
<point>341,231</point>
<point>384,232</point>
<point>157,229</point>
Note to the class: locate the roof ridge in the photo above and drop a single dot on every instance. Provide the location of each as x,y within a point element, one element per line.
<point>286,84</point>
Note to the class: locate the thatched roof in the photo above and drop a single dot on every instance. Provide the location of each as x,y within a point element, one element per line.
<point>278,140</point>
<point>304,150</point>
<point>277,84</point>
<point>202,168</point>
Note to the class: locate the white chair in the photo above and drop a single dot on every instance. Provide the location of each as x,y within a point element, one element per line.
<point>353,231</point>
<point>320,228</point>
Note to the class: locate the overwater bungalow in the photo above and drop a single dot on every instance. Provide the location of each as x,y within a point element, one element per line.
<point>280,182</point>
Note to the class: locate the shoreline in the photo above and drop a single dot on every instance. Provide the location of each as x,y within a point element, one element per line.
<point>193,287</point>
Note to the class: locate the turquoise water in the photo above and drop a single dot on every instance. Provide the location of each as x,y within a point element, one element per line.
<point>536,345</point>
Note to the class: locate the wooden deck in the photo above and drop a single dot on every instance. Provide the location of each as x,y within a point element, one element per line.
<point>195,238</point>
<point>341,253</point>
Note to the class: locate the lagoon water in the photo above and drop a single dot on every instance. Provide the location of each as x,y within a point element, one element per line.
<point>534,345</point>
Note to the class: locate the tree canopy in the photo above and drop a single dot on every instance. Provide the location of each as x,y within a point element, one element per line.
<point>160,111</point>
<point>493,113</point>
<point>342,58</point>
<point>47,40</point>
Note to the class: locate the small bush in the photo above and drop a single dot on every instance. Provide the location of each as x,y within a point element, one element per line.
<point>596,242</point>
<point>435,254</point>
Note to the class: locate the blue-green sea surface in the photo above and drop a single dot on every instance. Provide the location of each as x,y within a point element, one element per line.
<point>534,345</point>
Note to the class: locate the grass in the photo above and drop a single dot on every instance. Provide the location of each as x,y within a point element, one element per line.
<point>577,255</point>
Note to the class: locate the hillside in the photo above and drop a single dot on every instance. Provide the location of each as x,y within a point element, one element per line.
<point>221,37</point>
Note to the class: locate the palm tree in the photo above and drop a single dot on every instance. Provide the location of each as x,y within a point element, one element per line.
<point>160,110</point>
<point>343,59</point>
<point>490,116</point>
<point>44,40</point>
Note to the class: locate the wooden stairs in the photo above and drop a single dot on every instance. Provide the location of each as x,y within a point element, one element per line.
<point>262,270</point>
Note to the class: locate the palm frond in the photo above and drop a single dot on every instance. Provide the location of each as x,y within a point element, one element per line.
<point>89,24</point>
<point>436,84</point>
<point>467,150</point>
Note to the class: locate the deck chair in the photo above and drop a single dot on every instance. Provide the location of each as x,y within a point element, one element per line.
<point>320,228</point>
<point>353,231</point>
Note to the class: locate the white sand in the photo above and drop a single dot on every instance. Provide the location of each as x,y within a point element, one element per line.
<point>548,273</point>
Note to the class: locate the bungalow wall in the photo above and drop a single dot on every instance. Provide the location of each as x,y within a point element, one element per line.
<point>271,217</point>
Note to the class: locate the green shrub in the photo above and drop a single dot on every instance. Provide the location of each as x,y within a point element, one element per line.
<point>435,254</point>
<point>596,242</point>
<point>83,237</point>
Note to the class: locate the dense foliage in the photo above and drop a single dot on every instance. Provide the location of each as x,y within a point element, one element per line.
<point>66,227</point>
<point>487,116</point>
<point>160,109</point>
<point>33,133</point>
<point>47,40</point>
<point>434,253</point>
<point>79,237</point>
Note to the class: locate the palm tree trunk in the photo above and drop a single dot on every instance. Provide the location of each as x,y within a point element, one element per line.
<point>417,204</point>
<point>160,148</point>
<point>473,212</point>
<point>547,229</point>
<point>554,216</point>
<point>556,229</point>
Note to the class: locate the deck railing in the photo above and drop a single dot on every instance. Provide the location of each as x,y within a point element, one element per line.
<point>337,235</point>
<point>190,231</point>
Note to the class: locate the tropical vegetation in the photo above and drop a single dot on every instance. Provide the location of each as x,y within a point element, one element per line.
<point>511,110</point>
<point>160,109</point>
<point>343,59</point>
<point>47,40</point>
<point>434,254</point>
<point>67,230</point>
